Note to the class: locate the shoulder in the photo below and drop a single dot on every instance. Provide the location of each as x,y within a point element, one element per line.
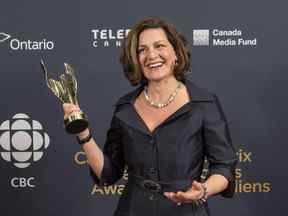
<point>198,94</point>
<point>129,97</point>
<point>207,100</point>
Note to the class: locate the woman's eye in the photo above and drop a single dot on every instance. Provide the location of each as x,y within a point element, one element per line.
<point>160,45</point>
<point>140,51</point>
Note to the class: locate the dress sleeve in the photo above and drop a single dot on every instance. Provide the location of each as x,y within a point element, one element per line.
<point>219,149</point>
<point>113,167</point>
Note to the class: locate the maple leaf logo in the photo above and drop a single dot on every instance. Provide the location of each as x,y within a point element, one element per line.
<point>4,36</point>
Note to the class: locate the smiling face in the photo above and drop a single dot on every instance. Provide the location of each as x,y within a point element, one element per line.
<point>156,54</point>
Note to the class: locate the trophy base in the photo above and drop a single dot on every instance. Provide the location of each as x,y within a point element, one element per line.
<point>76,123</point>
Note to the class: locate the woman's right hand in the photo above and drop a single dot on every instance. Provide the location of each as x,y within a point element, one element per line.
<point>69,109</point>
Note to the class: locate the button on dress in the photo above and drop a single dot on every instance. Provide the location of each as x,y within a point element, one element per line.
<point>174,152</point>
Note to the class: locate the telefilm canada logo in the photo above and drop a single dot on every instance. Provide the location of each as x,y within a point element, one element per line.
<point>23,140</point>
<point>222,38</point>
<point>19,44</point>
<point>104,37</point>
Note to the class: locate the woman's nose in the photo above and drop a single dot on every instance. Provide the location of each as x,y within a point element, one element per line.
<point>152,54</point>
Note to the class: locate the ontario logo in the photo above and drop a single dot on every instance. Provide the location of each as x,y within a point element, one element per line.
<point>22,140</point>
<point>17,44</point>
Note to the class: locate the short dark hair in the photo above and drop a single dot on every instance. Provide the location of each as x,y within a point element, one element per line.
<point>129,55</point>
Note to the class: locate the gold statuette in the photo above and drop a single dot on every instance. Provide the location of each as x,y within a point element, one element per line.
<point>66,91</point>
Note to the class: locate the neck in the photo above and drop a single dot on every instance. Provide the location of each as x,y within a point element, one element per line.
<point>161,90</point>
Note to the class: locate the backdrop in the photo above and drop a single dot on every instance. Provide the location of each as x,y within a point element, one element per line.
<point>238,52</point>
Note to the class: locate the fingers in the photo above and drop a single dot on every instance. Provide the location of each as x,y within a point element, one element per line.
<point>174,196</point>
<point>183,197</point>
<point>69,109</point>
<point>177,197</point>
<point>188,196</point>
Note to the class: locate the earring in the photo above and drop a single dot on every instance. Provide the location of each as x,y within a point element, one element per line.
<point>176,61</point>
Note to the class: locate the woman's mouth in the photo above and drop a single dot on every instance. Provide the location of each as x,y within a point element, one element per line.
<point>155,65</point>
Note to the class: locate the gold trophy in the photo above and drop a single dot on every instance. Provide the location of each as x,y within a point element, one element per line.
<point>66,91</point>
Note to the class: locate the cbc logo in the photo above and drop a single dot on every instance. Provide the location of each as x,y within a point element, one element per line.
<point>22,182</point>
<point>22,140</point>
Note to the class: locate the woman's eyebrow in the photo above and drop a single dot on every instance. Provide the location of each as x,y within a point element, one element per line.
<point>145,45</point>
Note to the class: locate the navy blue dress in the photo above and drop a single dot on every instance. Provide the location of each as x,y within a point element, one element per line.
<point>168,159</point>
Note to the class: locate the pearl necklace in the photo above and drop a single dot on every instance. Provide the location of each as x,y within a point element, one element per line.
<point>161,105</point>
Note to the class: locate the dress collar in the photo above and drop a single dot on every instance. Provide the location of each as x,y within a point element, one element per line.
<point>196,94</point>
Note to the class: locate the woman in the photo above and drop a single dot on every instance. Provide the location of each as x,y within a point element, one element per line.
<point>162,131</point>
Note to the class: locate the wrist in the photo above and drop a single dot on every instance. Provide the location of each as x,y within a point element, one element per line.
<point>84,137</point>
<point>204,195</point>
<point>83,134</point>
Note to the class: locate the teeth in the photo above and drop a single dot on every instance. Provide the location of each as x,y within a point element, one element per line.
<point>159,64</point>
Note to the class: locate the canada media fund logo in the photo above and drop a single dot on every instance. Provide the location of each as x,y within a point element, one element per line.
<point>22,142</point>
<point>222,38</point>
<point>18,44</point>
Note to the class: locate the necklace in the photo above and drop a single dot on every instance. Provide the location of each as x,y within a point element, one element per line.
<point>161,105</point>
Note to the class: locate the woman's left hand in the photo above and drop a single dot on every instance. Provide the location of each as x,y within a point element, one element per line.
<point>194,193</point>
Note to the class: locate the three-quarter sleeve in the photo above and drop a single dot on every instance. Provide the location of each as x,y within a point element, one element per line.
<point>219,149</point>
<point>113,167</point>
